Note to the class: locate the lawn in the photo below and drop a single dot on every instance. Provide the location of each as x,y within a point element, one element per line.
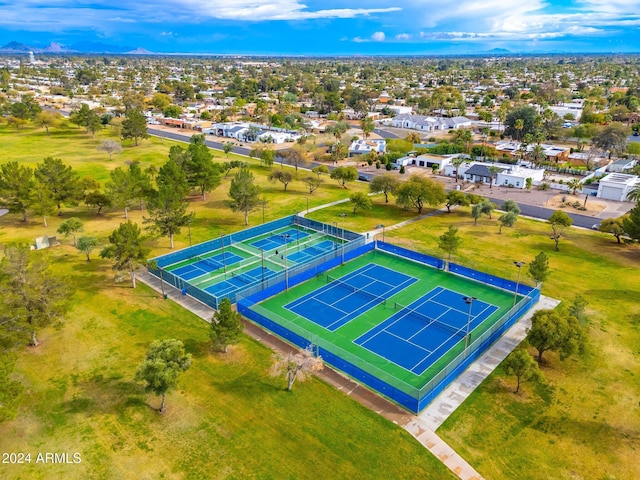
<point>583,422</point>
<point>231,421</point>
<point>228,419</point>
<point>212,216</point>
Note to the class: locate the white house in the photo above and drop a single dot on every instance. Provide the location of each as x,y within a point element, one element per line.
<point>511,176</point>
<point>362,147</point>
<point>616,186</point>
<point>429,124</point>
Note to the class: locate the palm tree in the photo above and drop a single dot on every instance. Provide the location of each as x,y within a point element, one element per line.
<point>574,184</point>
<point>518,126</point>
<point>456,162</point>
<point>634,194</point>
<point>493,170</point>
<point>537,154</point>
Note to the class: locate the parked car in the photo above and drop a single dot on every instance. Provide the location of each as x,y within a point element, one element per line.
<point>595,226</point>
<point>364,178</point>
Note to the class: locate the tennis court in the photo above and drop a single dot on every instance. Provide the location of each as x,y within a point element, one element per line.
<point>279,239</point>
<point>238,281</point>
<point>344,299</point>
<point>204,265</point>
<point>312,251</point>
<point>417,335</point>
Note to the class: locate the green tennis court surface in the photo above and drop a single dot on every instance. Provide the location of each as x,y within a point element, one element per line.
<point>390,315</point>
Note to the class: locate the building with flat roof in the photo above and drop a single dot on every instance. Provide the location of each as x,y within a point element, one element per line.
<point>616,186</point>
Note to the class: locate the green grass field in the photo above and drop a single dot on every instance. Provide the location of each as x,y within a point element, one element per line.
<point>343,337</point>
<point>229,420</point>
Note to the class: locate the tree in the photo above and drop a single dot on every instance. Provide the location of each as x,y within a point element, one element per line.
<point>86,245</point>
<point>71,227</point>
<point>612,138</point>
<point>134,125</point>
<point>487,207</point>
<point>296,157</point>
<point>527,115</point>
<point>559,220</point>
<point>201,172</point>
<point>226,326</point>
<point>320,169</point>
<point>167,213</point>
<point>367,126</point>
<point>631,223</point>
<point>555,331</point>
<point>42,201</point>
<point>456,197</point>
<point>227,147</point>
<point>614,226</point>
<point>47,119</point>
<point>173,177</point>
<point>537,154</point>
<point>60,180</point>
<point>510,206</point>
<point>507,220</point>
<point>539,267</point>
<point>267,156</point>
<point>493,170</point>
<point>312,182</point>
<point>281,176</point>
<point>476,212</point>
<point>343,175</point>
<point>160,101</point>
<point>450,241</point>
<point>97,199</point>
<point>360,200</point>
<point>386,184</point>
<point>337,130</point>
<point>172,111</point>
<point>16,183</point>
<point>126,249</point>
<point>296,366</point>
<point>456,162</point>
<point>33,296</point>
<point>165,361</point>
<point>413,137</point>
<point>419,191</point>
<point>577,308</point>
<point>110,146</point>
<point>121,190</point>
<point>574,185</point>
<point>521,364</point>
<point>243,193</point>
<point>634,194</point>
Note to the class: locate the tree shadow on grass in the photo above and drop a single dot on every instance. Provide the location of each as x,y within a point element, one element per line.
<point>100,395</point>
<point>197,348</point>
<point>250,384</point>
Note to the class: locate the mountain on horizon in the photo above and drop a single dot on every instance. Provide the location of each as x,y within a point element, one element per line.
<point>95,47</point>
<point>498,50</point>
<point>139,51</point>
<point>80,47</point>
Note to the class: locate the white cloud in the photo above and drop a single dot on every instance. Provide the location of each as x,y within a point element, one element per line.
<point>404,36</point>
<point>378,37</point>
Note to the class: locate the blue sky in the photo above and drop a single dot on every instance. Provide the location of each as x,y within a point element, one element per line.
<point>329,27</point>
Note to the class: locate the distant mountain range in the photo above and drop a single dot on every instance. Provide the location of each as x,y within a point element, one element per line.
<point>81,47</point>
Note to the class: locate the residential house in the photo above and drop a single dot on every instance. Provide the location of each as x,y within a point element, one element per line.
<point>363,147</point>
<point>616,186</point>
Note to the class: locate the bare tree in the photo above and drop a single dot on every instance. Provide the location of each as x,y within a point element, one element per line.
<point>110,146</point>
<point>296,366</point>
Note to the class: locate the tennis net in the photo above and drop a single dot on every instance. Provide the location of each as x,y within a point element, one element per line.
<point>212,263</point>
<point>356,290</point>
<point>244,278</point>
<point>408,312</point>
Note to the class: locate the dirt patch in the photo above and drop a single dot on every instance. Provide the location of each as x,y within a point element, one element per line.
<point>575,203</point>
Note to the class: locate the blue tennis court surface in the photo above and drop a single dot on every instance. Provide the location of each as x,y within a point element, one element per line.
<point>275,241</point>
<point>240,281</point>
<point>312,251</point>
<point>344,299</point>
<point>206,265</point>
<point>417,335</point>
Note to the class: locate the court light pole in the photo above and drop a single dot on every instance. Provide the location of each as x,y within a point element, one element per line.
<point>262,254</point>
<point>343,215</point>
<point>189,228</point>
<point>515,294</point>
<point>382,227</point>
<point>468,301</point>
<point>307,197</point>
<point>286,236</point>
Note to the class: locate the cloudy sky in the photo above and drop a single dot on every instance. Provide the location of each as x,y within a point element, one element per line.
<point>328,27</point>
